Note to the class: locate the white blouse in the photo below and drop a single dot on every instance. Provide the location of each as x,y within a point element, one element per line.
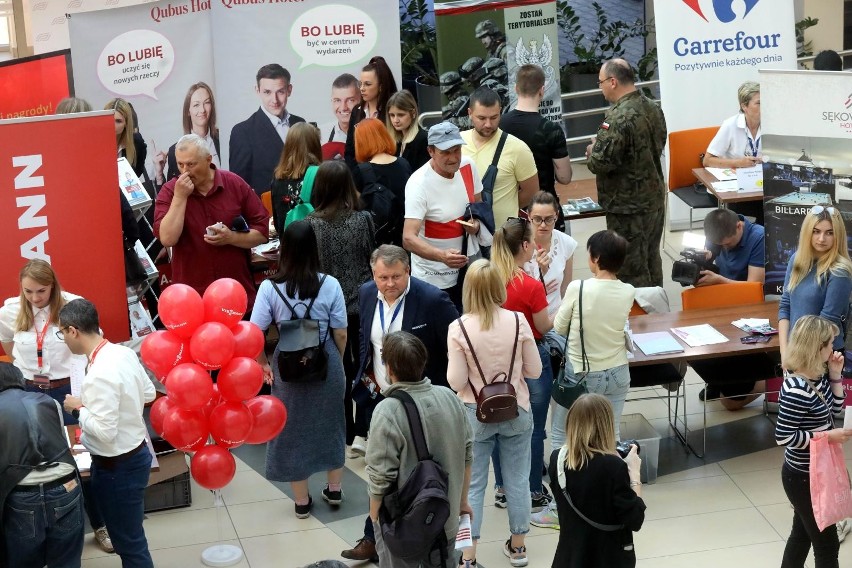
<point>562,248</point>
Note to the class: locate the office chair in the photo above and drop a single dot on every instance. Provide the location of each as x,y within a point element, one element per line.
<point>685,150</point>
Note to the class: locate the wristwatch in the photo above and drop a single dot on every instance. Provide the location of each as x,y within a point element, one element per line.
<point>76,413</point>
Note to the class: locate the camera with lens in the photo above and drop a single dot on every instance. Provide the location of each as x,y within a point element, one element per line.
<point>623,448</point>
<point>688,269</point>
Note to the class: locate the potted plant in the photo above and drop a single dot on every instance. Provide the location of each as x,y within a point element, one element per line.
<point>420,52</point>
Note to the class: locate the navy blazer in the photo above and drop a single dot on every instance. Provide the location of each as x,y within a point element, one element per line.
<point>255,148</point>
<point>427,313</point>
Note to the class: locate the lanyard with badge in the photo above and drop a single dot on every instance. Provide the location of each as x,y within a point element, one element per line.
<point>393,317</point>
<point>753,146</point>
<point>41,379</point>
<point>95,354</point>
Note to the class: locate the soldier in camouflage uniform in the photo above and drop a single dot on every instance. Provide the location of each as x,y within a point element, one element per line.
<point>472,72</point>
<point>455,110</point>
<point>492,39</point>
<point>626,160</point>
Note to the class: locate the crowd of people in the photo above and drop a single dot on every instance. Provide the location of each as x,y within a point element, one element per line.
<point>432,268</point>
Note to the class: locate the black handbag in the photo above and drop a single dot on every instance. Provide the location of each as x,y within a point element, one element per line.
<point>564,391</point>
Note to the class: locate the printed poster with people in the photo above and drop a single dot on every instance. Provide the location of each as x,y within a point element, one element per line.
<point>479,45</point>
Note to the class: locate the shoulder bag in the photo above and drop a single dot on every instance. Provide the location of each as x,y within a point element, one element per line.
<point>560,468</point>
<point>566,392</point>
<point>496,401</point>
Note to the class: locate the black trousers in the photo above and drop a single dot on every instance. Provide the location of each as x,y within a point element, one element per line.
<point>805,533</point>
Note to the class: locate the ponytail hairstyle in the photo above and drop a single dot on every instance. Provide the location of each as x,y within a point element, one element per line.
<point>508,242</point>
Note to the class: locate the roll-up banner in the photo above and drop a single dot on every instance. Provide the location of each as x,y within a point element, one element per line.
<point>48,81</point>
<point>59,202</point>
<point>484,43</point>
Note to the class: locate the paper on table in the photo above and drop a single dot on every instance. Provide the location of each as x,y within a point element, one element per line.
<point>746,323</point>
<point>698,335</point>
<point>77,372</point>
<point>750,179</point>
<point>722,174</point>
<point>463,538</point>
<point>657,343</point>
<point>725,186</point>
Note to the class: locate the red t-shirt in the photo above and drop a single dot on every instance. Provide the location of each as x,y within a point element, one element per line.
<point>527,297</point>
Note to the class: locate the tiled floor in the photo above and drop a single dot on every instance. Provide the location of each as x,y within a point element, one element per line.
<point>726,510</point>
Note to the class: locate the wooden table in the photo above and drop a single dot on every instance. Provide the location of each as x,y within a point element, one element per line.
<point>577,190</point>
<point>720,319</point>
<point>725,197</point>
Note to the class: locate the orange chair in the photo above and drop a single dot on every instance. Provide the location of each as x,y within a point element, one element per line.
<point>685,149</point>
<point>266,198</point>
<point>757,367</point>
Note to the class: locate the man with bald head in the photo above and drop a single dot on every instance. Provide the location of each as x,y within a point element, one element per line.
<point>211,218</point>
<point>626,158</point>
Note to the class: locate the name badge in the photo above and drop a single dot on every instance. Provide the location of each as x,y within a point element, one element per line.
<point>41,380</point>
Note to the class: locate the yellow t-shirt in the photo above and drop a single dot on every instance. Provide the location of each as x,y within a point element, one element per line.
<point>516,165</point>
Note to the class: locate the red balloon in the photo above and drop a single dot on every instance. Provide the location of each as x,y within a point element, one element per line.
<point>212,345</point>
<point>230,424</point>
<point>225,301</point>
<point>190,386</point>
<point>248,339</point>
<point>159,409</point>
<point>161,351</point>
<point>186,430</point>
<point>240,379</point>
<point>181,309</point>
<point>270,415</point>
<point>213,467</point>
<point>213,402</point>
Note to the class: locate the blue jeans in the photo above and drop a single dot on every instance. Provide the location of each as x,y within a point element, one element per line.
<point>512,438</point>
<point>44,527</point>
<point>120,495</point>
<point>612,383</point>
<point>540,389</point>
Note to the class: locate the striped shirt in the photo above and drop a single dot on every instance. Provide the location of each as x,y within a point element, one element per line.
<point>802,413</point>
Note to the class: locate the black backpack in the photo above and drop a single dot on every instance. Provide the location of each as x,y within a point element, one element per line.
<point>301,354</point>
<point>386,208</point>
<point>412,517</point>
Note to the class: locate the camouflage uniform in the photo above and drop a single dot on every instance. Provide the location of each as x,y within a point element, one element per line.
<point>631,189</point>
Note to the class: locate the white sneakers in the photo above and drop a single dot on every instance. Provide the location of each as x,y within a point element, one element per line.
<point>357,449</point>
<point>843,528</point>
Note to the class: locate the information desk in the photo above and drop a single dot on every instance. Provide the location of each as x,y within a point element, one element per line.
<point>725,197</point>
<point>720,319</point>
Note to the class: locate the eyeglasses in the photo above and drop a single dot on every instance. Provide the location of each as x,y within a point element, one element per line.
<point>820,209</point>
<point>523,220</point>
<point>60,333</point>
<point>602,81</point>
<point>547,221</point>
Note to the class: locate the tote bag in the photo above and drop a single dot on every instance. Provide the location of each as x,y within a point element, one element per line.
<point>831,494</point>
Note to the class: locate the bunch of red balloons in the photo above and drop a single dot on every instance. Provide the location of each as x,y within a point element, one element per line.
<point>204,334</point>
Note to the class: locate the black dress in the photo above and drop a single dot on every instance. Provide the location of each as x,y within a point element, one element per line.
<point>393,176</point>
<point>601,490</point>
<point>285,196</point>
<point>416,151</point>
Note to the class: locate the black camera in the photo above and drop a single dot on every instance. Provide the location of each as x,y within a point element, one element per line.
<point>623,448</point>
<point>687,271</point>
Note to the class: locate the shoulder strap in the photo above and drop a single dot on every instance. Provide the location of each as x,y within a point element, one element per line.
<point>514,347</point>
<point>560,465</point>
<point>290,307</point>
<point>822,398</point>
<point>314,299</point>
<point>415,424</point>
<point>283,299</point>
<point>367,173</point>
<point>475,359</point>
<point>308,184</point>
<point>582,339</point>
<point>499,150</point>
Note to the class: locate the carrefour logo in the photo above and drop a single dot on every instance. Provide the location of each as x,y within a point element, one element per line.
<point>723,9</point>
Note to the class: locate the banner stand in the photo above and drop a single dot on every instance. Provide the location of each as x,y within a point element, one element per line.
<point>221,554</point>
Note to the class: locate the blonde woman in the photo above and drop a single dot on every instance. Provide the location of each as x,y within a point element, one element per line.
<point>602,486</point>
<point>495,333</point>
<point>819,274</point>
<point>302,149</point>
<point>402,124</point>
<point>130,144</point>
<point>809,397</point>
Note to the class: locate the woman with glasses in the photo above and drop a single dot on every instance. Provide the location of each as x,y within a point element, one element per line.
<point>552,263</point>
<point>514,247</point>
<point>31,337</point>
<point>491,334</point>
<point>809,398</point>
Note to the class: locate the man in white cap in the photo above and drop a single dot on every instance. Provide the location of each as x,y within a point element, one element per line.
<point>437,215</point>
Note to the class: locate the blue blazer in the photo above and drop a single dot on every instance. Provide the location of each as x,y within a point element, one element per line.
<point>255,148</point>
<point>427,313</point>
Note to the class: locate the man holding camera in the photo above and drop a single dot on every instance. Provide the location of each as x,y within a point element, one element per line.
<point>736,245</point>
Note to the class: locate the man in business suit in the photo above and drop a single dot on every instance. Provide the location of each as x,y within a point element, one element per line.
<point>256,143</point>
<point>394,301</point>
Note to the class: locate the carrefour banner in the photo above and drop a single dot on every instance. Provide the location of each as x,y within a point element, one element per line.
<point>149,55</point>
<point>707,48</point>
<point>322,45</point>
<point>806,157</point>
<point>484,44</point>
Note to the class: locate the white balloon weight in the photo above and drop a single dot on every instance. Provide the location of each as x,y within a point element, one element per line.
<point>222,555</point>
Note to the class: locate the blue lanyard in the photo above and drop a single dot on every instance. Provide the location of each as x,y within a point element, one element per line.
<point>393,317</point>
<point>754,146</point>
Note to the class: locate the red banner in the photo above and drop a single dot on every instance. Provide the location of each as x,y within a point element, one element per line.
<point>32,86</point>
<point>59,201</point>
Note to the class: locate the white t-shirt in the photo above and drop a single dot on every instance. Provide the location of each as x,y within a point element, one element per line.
<point>562,248</point>
<point>734,140</point>
<point>435,199</point>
